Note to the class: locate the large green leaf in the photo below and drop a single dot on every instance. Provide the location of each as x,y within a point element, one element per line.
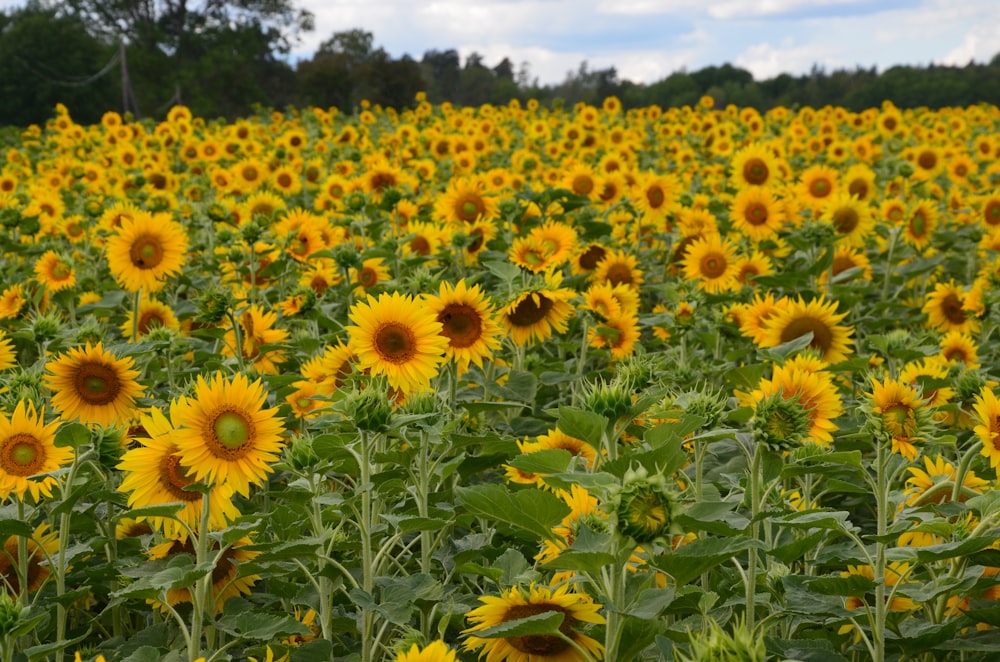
<point>531,510</point>
<point>691,560</point>
<point>545,623</point>
<point>262,627</point>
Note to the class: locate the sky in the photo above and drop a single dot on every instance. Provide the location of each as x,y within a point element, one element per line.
<point>647,40</point>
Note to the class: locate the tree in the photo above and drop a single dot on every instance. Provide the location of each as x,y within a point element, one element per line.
<point>169,40</point>
<point>50,59</point>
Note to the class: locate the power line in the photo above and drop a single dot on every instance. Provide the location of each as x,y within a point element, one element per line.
<point>65,79</point>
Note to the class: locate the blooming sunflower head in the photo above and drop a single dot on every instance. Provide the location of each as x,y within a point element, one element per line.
<point>146,250</point>
<point>93,385</point>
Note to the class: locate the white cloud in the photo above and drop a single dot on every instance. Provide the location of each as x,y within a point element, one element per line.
<point>767,61</point>
<point>738,9</point>
<point>979,45</point>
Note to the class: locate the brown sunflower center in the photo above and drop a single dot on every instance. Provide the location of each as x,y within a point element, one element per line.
<point>146,252</point>
<point>22,455</point>
<point>150,320</point>
<point>712,265</point>
<point>591,256</point>
<point>420,246</point>
<point>755,171</point>
<point>918,225</point>
<point>477,242</point>
<point>381,181</point>
<point>368,277</point>
<point>395,342</point>
<point>927,160</point>
<point>992,213</point>
<point>655,197</point>
<point>820,188</point>
<point>470,207</point>
<point>755,213</point>
<point>956,355</point>
<point>951,308</point>
<point>822,334</point>
<point>542,645</point>
<point>842,263</point>
<point>858,188</point>
<point>530,310</point>
<point>230,432</point>
<point>620,274</point>
<point>461,324</point>
<point>582,185</point>
<point>175,478</point>
<point>845,220</point>
<point>96,383</point>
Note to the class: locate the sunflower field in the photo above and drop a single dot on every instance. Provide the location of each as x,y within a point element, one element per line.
<point>510,383</point>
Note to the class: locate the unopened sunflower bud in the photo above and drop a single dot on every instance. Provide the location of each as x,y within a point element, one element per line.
<point>10,615</point>
<point>213,306</point>
<point>254,230</point>
<point>613,400</point>
<point>347,257</point>
<point>644,507</point>
<point>301,453</point>
<point>93,207</point>
<point>46,327</point>
<point>369,409</point>
<point>779,423</point>
<point>714,644</point>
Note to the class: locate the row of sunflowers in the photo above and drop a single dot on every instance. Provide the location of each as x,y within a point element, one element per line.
<point>507,382</point>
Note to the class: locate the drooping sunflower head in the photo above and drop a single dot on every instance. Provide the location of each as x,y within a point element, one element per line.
<point>516,603</point>
<point>898,415</point>
<point>93,385</point>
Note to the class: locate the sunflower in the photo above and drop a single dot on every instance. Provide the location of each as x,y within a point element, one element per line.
<point>900,414</point>
<point>223,433</point>
<point>989,209</point>
<point>945,309</point>
<point>600,299</point>
<point>749,267</point>
<point>93,385</point>
<point>153,314</point>
<point>257,331</point>
<point>848,263</point>
<point>331,368</point>
<point>8,355</point>
<point>754,213</point>
<point>531,254</point>
<point>618,268</point>
<point>153,475</point>
<point>398,337</point>
<point>618,334</point>
<point>534,315</point>
<point>817,184</point>
<point>814,391</point>
<point>852,220</point>
<point>55,272</point>
<point>436,651</point>
<point>468,322</point>
<point>517,603</point>
<point>819,317</point>
<point>921,221</point>
<point>27,452</point>
<point>925,486</point>
<point>960,347</point>
<point>654,195</point>
<point>558,240</point>
<point>859,181</point>
<point>710,262</point>
<point>249,173</point>
<point>12,301</point>
<point>588,258</point>
<point>558,439</point>
<point>755,166</point>
<point>41,547</point>
<point>895,572</point>
<point>374,271</point>
<point>227,582</point>
<point>145,251</point>
<point>465,201</point>
<point>584,508</point>
<point>987,417</point>
<point>480,233</point>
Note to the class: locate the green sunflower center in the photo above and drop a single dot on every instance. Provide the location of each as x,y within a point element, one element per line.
<point>469,210</point>
<point>899,421</point>
<point>22,455</point>
<point>232,430</point>
<point>146,252</point>
<point>96,383</point>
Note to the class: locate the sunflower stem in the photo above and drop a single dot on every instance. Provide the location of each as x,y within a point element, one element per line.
<point>963,469</point>
<point>323,582</point>
<point>755,499</point>
<point>238,335</point>
<point>367,557</point>
<point>22,560</point>
<point>135,314</point>
<point>615,620</point>
<point>893,238</point>
<point>881,520</point>
<point>203,585</point>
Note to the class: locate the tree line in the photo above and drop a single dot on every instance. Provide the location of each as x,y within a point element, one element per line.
<point>226,58</point>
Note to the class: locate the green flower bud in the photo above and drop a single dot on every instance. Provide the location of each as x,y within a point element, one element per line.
<point>347,257</point>
<point>613,400</point>
<point>301,453</point>
<point>714,644</point>
<point>644,507</point>
<point>10,614</point>
<point>369,409</point>
<point>46,327</point>
<point>213,306</point>
<point>254,230</point>
<point>778,423</point>
<point>356,201</point>
<point>218,213</point>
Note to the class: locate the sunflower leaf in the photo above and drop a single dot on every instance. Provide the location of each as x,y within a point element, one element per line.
<point>545,623</point>
<point>160,510</point>
<point>531,510</point>
<point>690,560</point>
<point>73,435</point>
<point>546,461</point>
<point>263,627</point>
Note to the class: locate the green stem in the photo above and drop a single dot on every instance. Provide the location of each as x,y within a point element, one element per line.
<point>135,314</point>
<point>963,469</point>
<point>755,500</point>
<point>893,237</point>
<point>366,525</point>
<point>616,602</point>
<point>201,595</point>
<point>238,335</point>
<point>881,519</point>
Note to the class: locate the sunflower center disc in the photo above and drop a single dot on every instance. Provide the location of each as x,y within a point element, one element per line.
<point>543,645</point>
<point>146,252</point>
<point>24,454</point>
<point>899,420</point>
<point>470,210</point>
<point>822,336</point>
<point>96,384</point>
<point>655,197</point>
<point>61,271</point>
<point>755,172</point>
<point>528,312</point>
<point>303,403</point>
<point>232,430</point>
<point>461,325</point>
<point>395,343</point>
